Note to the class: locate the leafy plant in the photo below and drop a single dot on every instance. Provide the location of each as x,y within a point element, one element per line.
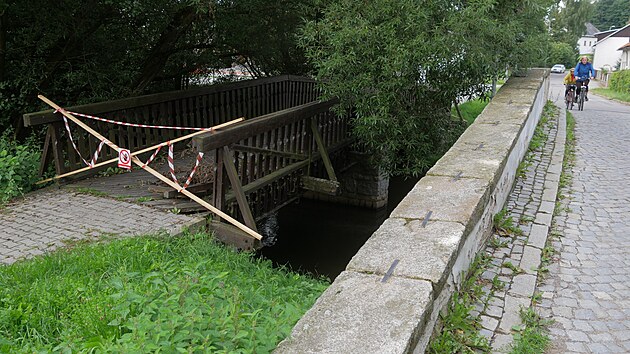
<point>533,336</point>
<point>18,167</point>
<point>504,225</point>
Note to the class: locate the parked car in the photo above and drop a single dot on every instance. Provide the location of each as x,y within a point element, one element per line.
<point>558,68</point>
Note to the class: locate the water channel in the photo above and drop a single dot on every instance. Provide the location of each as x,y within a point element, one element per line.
<point>320,238</point>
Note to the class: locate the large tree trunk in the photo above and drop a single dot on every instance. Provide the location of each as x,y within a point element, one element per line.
<point>165,47</point>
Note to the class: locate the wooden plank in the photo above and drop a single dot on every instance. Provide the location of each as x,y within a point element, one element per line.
<point>237,189</point>
<point>260,125</point>
<point>46,152</point>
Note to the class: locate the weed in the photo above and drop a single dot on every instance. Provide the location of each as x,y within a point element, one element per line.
<point>496,243</point>
<point>512,267</point>
<point>537,297</point>
<point>526,220</point>
<point>504,225</point>
<point>497,284</point>
<point>533,336</point>
<point>145,199</point>
<point>176,210</point>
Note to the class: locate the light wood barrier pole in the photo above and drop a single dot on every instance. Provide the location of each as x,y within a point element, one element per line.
<point>137,161</point>
<point>150,148</point>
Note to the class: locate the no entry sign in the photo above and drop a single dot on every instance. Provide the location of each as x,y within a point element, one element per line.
<point>124,159</point>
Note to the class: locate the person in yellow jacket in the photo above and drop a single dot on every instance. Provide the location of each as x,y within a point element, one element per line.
<point>569,82</point>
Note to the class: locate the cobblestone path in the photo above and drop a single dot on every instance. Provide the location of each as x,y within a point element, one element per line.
<point>46,219</point>
<point>588,291</point>
<point>514,259</point>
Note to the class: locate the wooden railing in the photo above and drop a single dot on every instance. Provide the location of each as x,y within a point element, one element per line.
<point>267,158</point>
<point>203,107</point>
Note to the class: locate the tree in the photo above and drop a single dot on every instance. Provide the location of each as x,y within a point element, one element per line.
<point>568,21</point>
<point>81,51</point>
<point>611,14</point>
<point>399,65</point>
<point>561,53</point>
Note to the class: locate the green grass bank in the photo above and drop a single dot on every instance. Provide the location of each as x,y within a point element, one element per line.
<point>155,293</point>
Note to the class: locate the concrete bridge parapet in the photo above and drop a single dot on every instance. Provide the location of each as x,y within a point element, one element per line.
<point>390,295</point>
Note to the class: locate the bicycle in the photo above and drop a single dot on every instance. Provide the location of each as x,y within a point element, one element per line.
<point>583,89</point>
<point>570,97</point>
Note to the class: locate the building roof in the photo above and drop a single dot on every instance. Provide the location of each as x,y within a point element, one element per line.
<point>620,32</point>
<point>590,29</point>
<point>625,46</point>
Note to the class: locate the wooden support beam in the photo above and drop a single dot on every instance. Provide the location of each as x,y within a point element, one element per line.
<point>237,188</point>
<point>322,151</point>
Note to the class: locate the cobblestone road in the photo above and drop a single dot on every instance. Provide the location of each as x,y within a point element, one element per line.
<point>46,219</point>
<point>588,292</point>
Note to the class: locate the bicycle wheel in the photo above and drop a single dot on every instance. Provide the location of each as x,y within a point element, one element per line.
<point>581,101</point>
<point>569,100</point>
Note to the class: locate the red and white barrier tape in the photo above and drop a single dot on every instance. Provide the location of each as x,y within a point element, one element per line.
<point>152,156</point>
<point>171,164</point>
<point>96,153</point>
<point>197,162</point>
<point>133,124</point>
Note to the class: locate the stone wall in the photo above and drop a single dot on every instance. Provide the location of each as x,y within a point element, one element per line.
<point>390,295</point>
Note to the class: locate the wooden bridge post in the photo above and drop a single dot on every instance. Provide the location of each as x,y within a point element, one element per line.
<point>237,188</point>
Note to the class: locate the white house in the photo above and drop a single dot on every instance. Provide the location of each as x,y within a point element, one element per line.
<point>607,54</point>
<point>625,56</point>
<point>587,41</point>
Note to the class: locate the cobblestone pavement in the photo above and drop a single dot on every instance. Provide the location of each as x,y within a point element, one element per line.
<point>514,259</point>
<point>46,219</point>
<point>588,292</point>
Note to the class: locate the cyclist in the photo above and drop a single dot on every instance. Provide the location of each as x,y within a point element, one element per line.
<point>569,83</point>
<point>584,72</point>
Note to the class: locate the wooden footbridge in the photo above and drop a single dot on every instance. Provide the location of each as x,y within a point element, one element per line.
<point>288,142</point>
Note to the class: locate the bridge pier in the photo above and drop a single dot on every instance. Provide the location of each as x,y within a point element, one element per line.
<point>361,184</point>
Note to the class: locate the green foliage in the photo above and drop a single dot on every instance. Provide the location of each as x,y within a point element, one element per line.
<point>148,294</point>
<point>611,13</point>
<point>19,164</point>
<point>400,65</point>
<point>620,81</point>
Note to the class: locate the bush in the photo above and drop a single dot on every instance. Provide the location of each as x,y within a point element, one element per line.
<point>18,167</point>
<point>620,81</point>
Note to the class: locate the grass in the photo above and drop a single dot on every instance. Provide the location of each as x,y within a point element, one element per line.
<point>470,109</point>
<point>91,191</point>
<point>148,294</point>
<point>608,93</point>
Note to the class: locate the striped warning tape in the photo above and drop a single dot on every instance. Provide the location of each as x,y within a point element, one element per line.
<point>171,164</point>
<point>96,153</point>
<point>132,124</point>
